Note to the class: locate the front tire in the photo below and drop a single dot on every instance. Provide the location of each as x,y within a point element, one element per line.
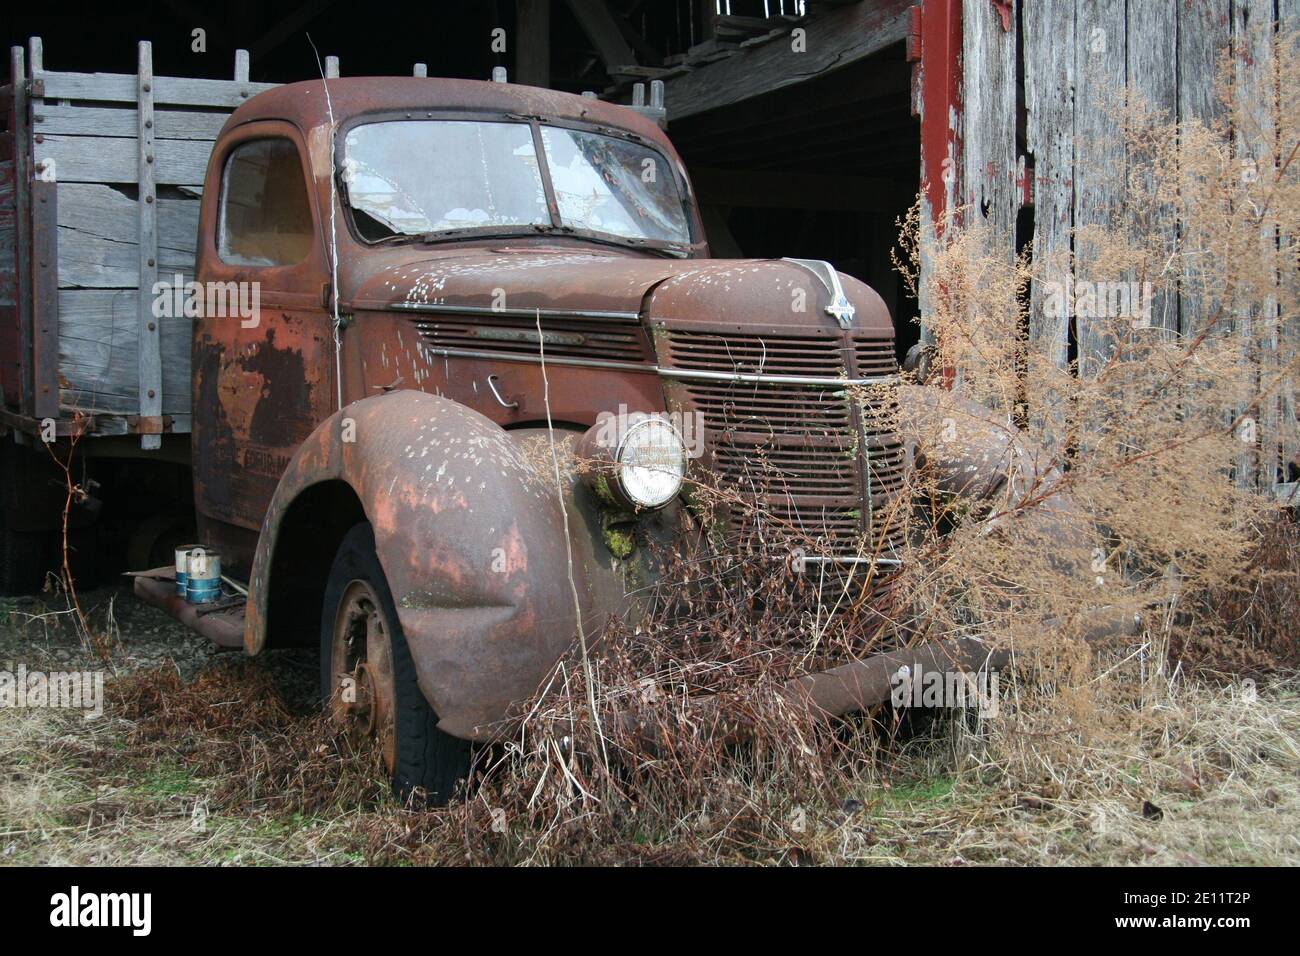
<point>368,679</point>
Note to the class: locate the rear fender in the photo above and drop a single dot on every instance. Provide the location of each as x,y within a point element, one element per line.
<point>471,536</point>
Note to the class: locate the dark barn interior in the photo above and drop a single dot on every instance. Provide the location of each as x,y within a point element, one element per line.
<point>818,164</point>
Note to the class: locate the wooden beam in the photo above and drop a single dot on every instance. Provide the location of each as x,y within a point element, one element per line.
<point>22,226</point>
<point>533,42</point>
<point>868,87</point>
<point>150,355</point>
<point>831,41</point>
<point>1049,101</point>
<point>765,190</point>
<point>45,299</point>
<point>597,21</point>
<point>934,41</point>
<point>988,168</point>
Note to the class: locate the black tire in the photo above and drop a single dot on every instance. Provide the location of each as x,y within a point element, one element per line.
<point>427,758</point>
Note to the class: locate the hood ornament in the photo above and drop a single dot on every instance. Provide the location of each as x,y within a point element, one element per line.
<point>841,308</point>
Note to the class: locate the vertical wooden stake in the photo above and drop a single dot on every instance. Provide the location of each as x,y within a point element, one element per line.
<point>22,202</point>
<point>150,359</point>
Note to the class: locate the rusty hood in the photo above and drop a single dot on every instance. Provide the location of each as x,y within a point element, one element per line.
<point>510,276</point>
<point>584,279</point>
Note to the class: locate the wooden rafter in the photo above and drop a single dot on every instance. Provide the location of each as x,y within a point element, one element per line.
<point>833,40</point>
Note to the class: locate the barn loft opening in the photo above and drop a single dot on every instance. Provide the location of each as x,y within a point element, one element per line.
<point>820,169</point>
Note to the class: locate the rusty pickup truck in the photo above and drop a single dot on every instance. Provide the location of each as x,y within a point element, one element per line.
<point>408,300</point>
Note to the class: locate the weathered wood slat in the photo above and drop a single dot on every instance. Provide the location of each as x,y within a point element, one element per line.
<point>8,239</point>
<point>600,25</point>
<point>1204,29</point>
<point>988,172</point>
<point>92,262</point>
<point>10,367</point>
<point>1289,334</point>
<point>1153,79</point>
<point>110,159</point>
<point>169,90</point>
<point>45,305</point>
<point>989,197</point>
<point>1255,316</point>
<point>98,348</point>
<point>104,212</point>
<point>1049,46</point>
<point>58,119</point>
<point>22,203</point>
<point>1099,165</point>
<point>150,359</point>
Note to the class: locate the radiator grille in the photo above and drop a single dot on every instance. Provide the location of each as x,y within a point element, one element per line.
<point>517,335</point>
<point>803,453</point>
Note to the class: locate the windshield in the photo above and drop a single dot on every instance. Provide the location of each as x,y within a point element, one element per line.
<point>422,177</point>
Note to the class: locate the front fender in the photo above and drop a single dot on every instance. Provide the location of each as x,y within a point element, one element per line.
<point>471,535</point>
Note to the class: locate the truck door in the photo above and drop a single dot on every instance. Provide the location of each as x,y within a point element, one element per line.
<point>263,345</point>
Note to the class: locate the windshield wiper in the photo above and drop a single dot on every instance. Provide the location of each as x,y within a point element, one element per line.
<point>668,250</point>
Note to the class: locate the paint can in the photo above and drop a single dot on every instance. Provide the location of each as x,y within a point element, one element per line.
<point>182,565</point>
<point>203,576</point>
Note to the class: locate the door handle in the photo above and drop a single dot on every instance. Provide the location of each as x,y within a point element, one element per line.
<point>492,384</point>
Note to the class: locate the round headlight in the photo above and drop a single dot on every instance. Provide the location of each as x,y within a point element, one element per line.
<point>651,462</point>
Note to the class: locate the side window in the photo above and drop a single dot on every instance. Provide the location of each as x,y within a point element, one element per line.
<point>265,216</point>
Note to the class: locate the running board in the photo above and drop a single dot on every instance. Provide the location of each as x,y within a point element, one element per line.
<point>221,622</point>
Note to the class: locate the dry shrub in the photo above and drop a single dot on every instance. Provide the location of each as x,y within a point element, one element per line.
<point>1246,626</point>
<point>653,777</point>
<point>233,725</point>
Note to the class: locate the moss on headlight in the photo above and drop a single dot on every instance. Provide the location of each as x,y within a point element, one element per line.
<point>604,493</point>
<point>620,540</point>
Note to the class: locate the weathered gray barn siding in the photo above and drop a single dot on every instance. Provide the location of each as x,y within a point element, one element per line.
<point>1074,55</point>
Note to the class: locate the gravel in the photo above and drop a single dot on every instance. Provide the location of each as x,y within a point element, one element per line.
<point>39,632</point>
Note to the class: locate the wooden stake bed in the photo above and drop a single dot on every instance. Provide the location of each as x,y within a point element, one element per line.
<point>100,180</point>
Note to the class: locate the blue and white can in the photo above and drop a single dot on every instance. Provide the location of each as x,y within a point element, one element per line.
<point>182,565</point>
<point>202,576</point>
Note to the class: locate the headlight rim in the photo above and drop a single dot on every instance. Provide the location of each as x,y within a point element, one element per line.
<point>639,420</point>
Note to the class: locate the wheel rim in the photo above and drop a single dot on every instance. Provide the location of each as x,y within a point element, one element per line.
<point>362,696</point>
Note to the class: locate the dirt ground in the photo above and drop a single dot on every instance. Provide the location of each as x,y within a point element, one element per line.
<point>203,757</point>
